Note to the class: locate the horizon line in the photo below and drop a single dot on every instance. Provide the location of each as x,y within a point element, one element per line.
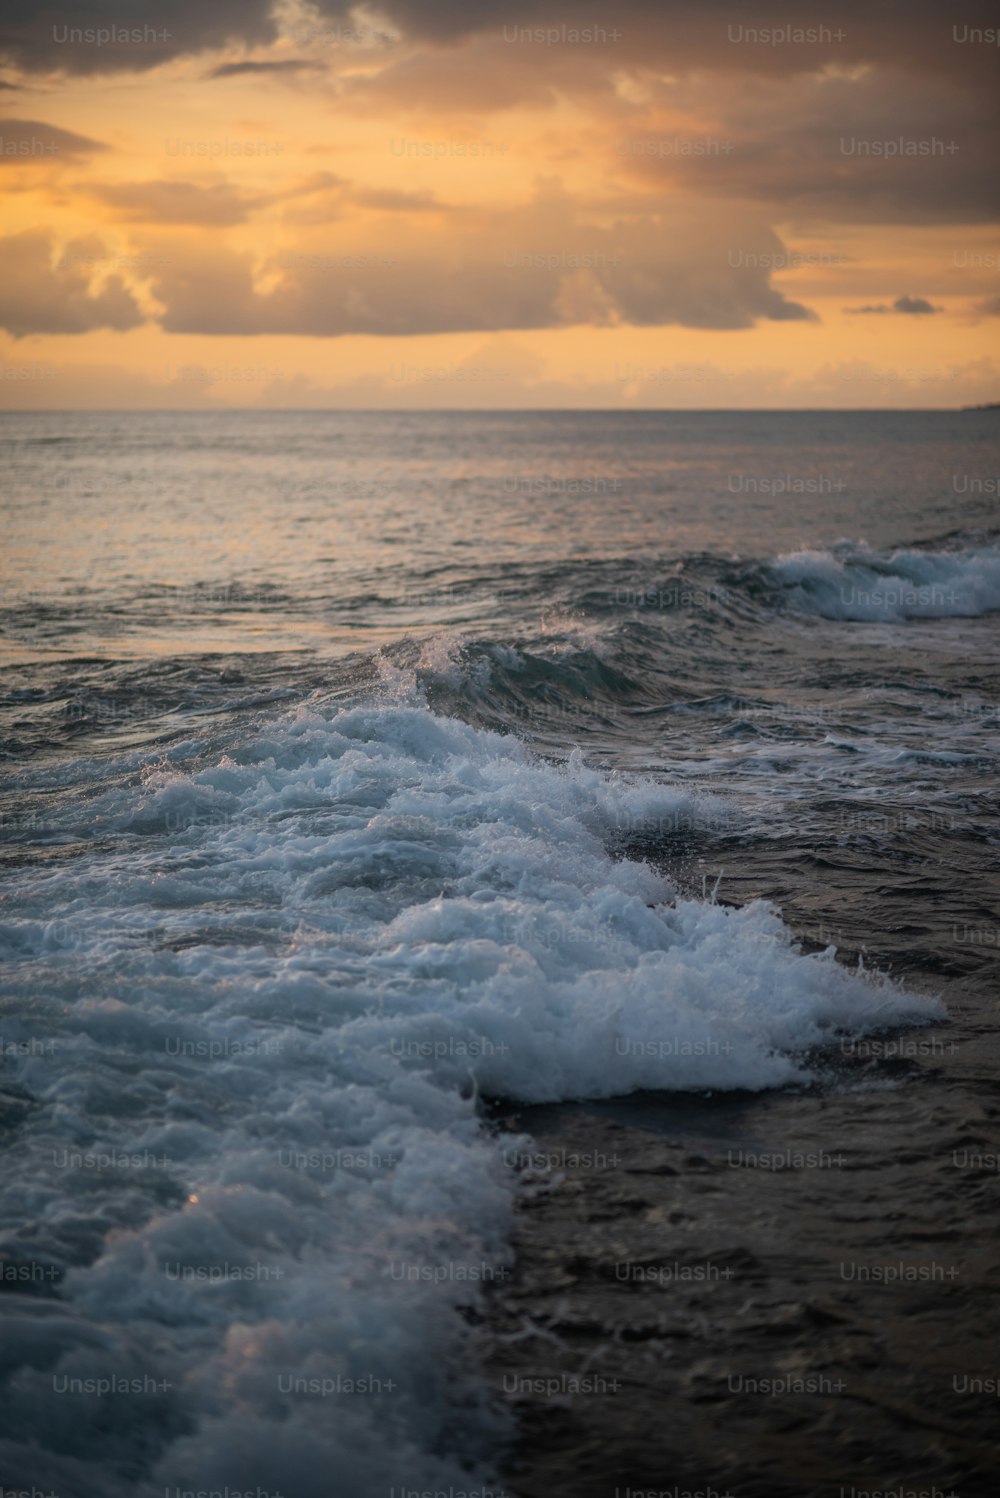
<point>495,410</point>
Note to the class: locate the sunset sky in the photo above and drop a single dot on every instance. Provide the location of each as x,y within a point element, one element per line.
<point>662,203</point>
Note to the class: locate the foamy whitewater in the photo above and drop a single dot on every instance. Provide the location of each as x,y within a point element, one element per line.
<point>315,854</point>
<point>852,581</point>
<point>308,960</point>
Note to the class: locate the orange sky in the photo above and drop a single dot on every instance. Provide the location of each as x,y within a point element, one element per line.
<point>443,204</point>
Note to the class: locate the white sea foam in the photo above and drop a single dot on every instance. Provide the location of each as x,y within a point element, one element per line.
<point>318,950</point>
<point>854,582</point>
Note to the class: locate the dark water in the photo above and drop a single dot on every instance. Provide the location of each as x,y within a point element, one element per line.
<point>358,767</point>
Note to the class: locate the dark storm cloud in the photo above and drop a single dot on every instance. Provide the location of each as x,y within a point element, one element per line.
<point>112,36</point>
<point>909,306</point>
<point>676,34</point>
<point>882,147</point>
<point>37,296</point>
<point>22,141</point>
<point>771,36</point>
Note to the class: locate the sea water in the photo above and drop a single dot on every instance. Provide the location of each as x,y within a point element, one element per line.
<point>362,768</point>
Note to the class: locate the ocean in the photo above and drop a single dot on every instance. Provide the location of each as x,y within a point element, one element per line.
<point>387,794</point>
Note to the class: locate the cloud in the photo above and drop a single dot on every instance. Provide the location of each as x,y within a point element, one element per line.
<point>320,198</point>
<point>909,306</point>
<point>989,307</point>
<point>256,69</point>
<point>882,148</point>
<point>481,76</point>
<point>24,141</point>
<point>37,296</point>
<point>891,142</point>
<point>219,204</point>
<point>688,37</point>
<point>216,206</point>
<point>914,306</point>
<point>675,36</point>
<point>104,37</point>
<point>541,265</point>
<point>693,31</point>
